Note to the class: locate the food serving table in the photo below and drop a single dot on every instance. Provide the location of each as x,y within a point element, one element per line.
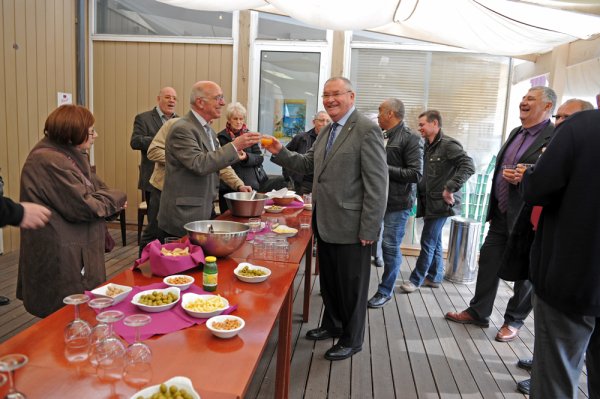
<point>219,368</point>
<point>301,244</point>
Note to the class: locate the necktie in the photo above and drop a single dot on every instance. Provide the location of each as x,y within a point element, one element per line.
<point>331,138</point>
<point>510,158</point>
<point>210,134</point>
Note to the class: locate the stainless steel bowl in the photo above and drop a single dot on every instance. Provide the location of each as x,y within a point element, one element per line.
<point>241,205</point>
<point>225,238</point>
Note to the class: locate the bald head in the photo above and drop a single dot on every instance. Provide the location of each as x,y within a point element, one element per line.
<point>167,100</point>
<point>570,107</point>
<point>207,99</point>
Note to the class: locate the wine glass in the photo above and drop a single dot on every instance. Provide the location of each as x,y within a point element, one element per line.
<point>9,364</point>
<point>100,330</point>
<point>266,141</point>
<point>138,356</point>
<point>110,352</point>
<point>78,332</point>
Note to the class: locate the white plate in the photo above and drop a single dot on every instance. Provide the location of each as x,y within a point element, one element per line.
<point>156,309</point>
<point>179,382</point>
<point>291,233</point>
<point>224,333</point>
<point>181,287</point>
<point>189,297</point>
<point>100,292</point>
<point>255,279</point>
<point>279,209</point>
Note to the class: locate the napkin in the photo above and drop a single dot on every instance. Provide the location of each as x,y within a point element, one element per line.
<point>282,193</point>
<point>171,320</point>
<point>162,265</point>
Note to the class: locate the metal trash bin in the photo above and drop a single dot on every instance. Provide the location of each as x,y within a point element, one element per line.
<point>461,264</point>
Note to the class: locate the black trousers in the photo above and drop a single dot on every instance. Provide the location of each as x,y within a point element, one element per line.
<point>490,259</point>
<point>344,276</point>
<point>151,231</point>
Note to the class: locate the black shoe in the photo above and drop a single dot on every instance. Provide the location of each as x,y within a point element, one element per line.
<point>378,262</point>
<point>340,352</point>
<point>525,364</point>
<point>524,386</point>
<point>4,301</point>
<point>321,333</point>
<point>378,300</point>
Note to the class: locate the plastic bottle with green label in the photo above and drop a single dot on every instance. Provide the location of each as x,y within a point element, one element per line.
<point>210,274</point>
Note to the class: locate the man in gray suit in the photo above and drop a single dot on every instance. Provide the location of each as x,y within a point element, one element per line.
<point>193,158</point>
<point>349,196</point>
<point>145,127</point>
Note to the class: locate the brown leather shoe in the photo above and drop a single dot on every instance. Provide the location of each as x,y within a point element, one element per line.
<point>507,333</point>
<point>465,317</point>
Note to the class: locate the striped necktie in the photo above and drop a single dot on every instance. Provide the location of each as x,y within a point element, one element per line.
<point>331,139</point>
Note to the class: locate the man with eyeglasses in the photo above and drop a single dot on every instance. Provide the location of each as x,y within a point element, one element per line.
<point>193,158</point>
<point>523,146</point>
<point>145,127</point>
<point>349,195</point>
<point>301,143</point>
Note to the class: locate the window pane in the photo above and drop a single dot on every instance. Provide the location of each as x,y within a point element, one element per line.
<point>153,18</point>
<point>277,27</point>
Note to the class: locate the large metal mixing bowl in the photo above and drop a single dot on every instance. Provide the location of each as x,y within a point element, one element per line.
<point>225,238</point>
<point>241,205</point>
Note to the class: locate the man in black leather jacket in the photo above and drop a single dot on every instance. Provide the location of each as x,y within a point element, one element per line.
<point>446,168</point>
<point>404,150</point>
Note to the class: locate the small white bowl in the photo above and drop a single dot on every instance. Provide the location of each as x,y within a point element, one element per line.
<point>179,382</point>
<point>224,333</point>
<point>100,292</point>
<point>156,309</point>
<point>274,208</point>
<point>190,297</point>
<point>182,287</point>
<point>251,279</point>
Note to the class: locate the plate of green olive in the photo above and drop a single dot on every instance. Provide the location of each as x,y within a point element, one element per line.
<point>181,386</point>
<point>249,273</point>
<point>157,300</point>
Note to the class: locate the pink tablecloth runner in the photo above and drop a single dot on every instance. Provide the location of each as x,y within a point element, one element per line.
<point>171,320</point>
<point>294,204</point>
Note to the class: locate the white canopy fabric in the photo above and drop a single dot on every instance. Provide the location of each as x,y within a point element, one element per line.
<point>500,27</point>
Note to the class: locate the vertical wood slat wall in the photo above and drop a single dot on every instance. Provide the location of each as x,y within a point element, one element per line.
<point>127,79</point>
<point>37,48</point>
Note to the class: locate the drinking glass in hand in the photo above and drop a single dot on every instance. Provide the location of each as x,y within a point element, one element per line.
<point>9,364</point>
<point>77,333</point>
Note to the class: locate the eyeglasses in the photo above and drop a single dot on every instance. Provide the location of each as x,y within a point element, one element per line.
<point>333,95</point>
<point>322,120</point>
<point>93,132</point>
<point>218,98</point>
<point>168,98</point>
<point>560,116</point>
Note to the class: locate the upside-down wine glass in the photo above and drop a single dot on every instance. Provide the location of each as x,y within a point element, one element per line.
<point>100,330</point>
<point>110,351</point>
<point>9,364</point>
<point>77,333</point>
<point>138,356</point>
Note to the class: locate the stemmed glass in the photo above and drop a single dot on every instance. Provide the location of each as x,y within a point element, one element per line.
<point>77,332</point>
<point>9,364</point>
<point>110,352</point>
<point>266,141</point>
<point>100,330</point>
<point>138,370</point>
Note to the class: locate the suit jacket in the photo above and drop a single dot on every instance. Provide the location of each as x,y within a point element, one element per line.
<point>531,155</point>
<point>350,184</point>
<point>145,127</point>
<point>191,174</point>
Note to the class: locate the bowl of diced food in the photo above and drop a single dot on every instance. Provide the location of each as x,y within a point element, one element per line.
<point>176,387</point>
<point>115,291</point>
<point>274,208</point>
<point>203,306</point>
<point>157,300</point>
<point>181,281</point>
<point>225,326</point>
<point>249,273</point>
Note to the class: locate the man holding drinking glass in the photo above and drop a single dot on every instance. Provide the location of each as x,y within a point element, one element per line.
<point>524,146</point>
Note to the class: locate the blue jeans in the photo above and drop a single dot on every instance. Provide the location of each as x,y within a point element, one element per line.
<point>394,224</point>
<point>430,260</point>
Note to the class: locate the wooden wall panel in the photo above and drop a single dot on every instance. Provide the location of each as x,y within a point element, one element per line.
<point>127,79</point>
<point>37,50</point>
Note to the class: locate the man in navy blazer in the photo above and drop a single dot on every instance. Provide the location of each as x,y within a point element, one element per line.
<point>524,146</point>
<point>349,196</point>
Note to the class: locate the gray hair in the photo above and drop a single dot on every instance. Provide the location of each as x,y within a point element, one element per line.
<point>320,113</point>
<point>346,81</point>
<point>396,106</point>
<point>583,105</point>
<point>197,91</point>
<point>235,108</point>
<point>548,95</point>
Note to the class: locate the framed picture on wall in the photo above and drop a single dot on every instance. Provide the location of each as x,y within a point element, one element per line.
<point>294,117</point>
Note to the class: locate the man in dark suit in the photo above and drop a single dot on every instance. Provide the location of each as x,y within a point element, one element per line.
<point>524,146</point>
<point>193,158</point>
<point>145,127</point>
<point>349,187</point>
<point>565,262</point>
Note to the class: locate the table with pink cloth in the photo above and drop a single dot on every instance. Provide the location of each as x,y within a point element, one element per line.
<point>171,320</point>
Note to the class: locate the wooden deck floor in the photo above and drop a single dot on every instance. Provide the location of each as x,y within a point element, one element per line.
<point>410,350</point>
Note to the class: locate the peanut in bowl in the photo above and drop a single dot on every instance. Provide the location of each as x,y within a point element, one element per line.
<point>181,281</point>
<point>225,326</point>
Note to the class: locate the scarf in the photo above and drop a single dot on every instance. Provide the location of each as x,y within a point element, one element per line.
<point>232,133</point>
